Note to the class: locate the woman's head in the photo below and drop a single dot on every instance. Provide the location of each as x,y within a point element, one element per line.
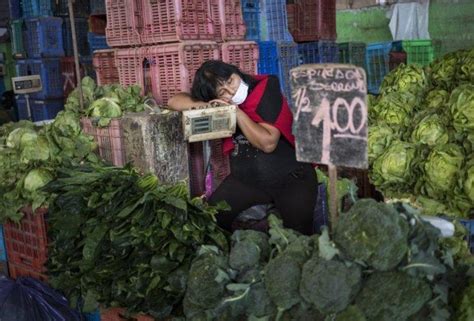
<point>217,80</point>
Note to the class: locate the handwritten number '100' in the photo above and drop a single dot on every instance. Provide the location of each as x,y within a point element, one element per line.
<point>324,114</point>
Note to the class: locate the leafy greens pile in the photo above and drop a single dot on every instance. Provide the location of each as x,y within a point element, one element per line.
<point>29,157</point>
<point>121,239</point>
<point>102,103</point>
<point>421,135</point>
<point>384,264</point>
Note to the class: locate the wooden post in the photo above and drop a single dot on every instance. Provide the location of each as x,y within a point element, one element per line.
<point>333,206</point>
<point>76,54</point>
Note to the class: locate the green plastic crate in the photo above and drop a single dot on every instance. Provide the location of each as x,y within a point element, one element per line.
<point>9,63</point>
<point>18,49</point>
<point>352,53</point>
<point>419,52</point>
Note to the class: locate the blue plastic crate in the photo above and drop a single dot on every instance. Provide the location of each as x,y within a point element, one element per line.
<point>15,9</point>
<point>44,37</point>
<point>97,6</point>
<point>37,8</point>
<point>3,250</point>
<point>49,70</point>
<point>377,62</point>
<point>40,109</point>
<point>96,42</point>
<point>469,225</point>
<point>81,8</point>
<point>268,58</point>
<point>318,52</point>
<point>276,21</point>
<point>95,316</point>
<point>287,60</point>
<point>251,15</point>
<point>82,28</point>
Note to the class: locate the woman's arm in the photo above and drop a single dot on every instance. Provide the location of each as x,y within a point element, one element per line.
<point>262,136</point>
<point>184,101</point>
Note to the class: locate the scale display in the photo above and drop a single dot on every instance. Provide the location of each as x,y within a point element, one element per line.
<point>209,123</point>
<point>27,84</point>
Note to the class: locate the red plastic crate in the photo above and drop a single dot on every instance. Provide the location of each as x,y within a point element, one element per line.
<point>68,72</point>
<point>220,163</point>
<point>27,242</point>
<point>177,20</point>
<point>172,66</point>
<point>129,64</point>
<point>16,270</point>
<point>104,65</point>
<point>109,140</point>
<point>197,173</point>
<point>396,58</point>
<point>243,54</point>
<point>118,314</point>
<point>312,20</point>
<point>228,19</point>
<point>124,22</point>
<point>98,23</point>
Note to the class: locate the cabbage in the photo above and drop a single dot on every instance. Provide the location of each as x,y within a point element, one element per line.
<point>14,139</point>
<point>431,131</point>
<point>393,169</point>
<point>36,179</point>
<point>461,105</point>
<point>465,71</point>
<point>441,170</point>
<point>443,71</point>
<point>395,109</point>
<point>405,78</point>
<point>379,138</point>
<point>437,99</point>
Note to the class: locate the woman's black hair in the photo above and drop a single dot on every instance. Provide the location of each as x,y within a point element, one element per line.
<point>210,75</point>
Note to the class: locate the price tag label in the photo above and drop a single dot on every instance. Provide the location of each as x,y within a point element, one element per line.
<point>330,114</point>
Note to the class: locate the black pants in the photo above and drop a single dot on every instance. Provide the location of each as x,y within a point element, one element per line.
<point>294,198</point>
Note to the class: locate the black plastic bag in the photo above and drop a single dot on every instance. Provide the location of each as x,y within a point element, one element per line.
<point>27,299</point>
<point>321,213</point>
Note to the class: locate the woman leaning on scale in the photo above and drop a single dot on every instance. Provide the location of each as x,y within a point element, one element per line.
<point>264,168</point>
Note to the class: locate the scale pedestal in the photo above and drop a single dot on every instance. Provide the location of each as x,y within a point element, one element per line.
<point>27,85</point>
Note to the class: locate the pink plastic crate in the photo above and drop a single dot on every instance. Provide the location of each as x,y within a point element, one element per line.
<point>129,63</point>
<point>220,164</point>
<point>109,140</point>
<point>172,66</point>
<point>228,19</point>
<point>124,22</point>
<point>197,173</point>
<point>104,66</point>
<point>243,54</point>
<point>177,20</point>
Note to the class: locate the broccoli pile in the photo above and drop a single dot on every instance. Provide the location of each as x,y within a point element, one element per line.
<point>383,263</point>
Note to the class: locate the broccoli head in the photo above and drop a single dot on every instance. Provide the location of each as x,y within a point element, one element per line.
<point>258,238</point>
<point>244,255</point>
<point>282,279</point>
<point>206,284</point>
<point>352,313</point>
<point>392,296</point>
<point>329,285</point>
<point>373,233</point>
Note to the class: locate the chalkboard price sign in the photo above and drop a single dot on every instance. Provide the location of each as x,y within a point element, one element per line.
<point>330,113</point>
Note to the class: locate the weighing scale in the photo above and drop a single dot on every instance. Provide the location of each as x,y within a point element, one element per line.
<point>27,85</point>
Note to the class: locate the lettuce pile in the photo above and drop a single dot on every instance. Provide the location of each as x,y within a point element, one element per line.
<point>421,135</point>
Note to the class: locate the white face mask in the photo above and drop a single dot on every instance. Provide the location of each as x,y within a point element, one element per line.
<point>241,93</point>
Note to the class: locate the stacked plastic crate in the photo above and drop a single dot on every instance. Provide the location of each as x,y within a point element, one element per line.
<point>377,61</point>
<point>420,52</point>
<point>81,10</point>
<point>312,24</point>
<point>38,43</point>
<point>278,51</point>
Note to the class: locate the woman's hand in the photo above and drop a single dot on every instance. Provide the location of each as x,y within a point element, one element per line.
<point>261,135</point>
<point>219,102</point>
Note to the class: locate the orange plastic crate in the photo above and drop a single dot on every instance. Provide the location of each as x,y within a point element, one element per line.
<point>105,67</point>
<point>172,66</point>
<point>124,23</point>
<point>243,54</point>
<point>109,140</point>
<point>27,242</point>
<point>177,20</point>
<point>17,270</point>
